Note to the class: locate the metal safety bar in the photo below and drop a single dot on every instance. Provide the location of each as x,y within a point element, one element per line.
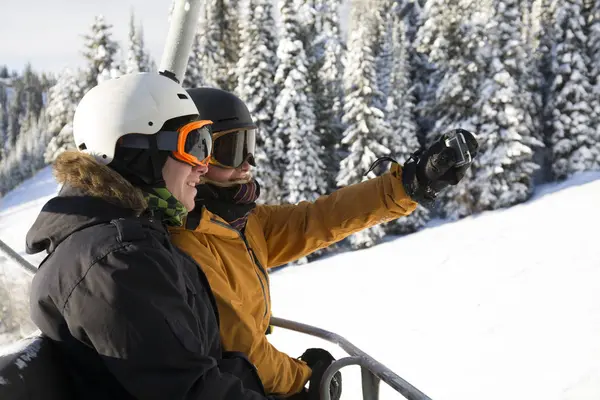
<point>372,371</point>
<point>16,257</point>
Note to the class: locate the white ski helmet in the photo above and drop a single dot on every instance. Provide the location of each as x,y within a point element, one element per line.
<point>134,103</point>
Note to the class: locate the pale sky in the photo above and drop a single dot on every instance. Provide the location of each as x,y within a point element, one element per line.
<point>48,33</point>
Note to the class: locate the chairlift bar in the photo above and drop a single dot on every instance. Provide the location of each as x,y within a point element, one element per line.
<point>16,258</point>
<point>366,361</point>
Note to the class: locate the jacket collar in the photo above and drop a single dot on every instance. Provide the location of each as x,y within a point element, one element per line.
<point>205,222</point>
<point>91,194</point>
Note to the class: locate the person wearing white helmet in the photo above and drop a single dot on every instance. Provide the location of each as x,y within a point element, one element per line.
<point>132,316</point>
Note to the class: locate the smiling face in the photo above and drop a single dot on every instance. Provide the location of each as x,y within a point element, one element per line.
<point>227,176</point>
<point>181,180</point>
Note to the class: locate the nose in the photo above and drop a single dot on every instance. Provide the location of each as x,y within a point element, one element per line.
<point>200,169</point>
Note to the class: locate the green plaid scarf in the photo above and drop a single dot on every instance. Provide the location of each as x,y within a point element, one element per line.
<point>163,203</point>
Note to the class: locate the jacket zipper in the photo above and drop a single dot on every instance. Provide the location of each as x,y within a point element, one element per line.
<point>254,258</point>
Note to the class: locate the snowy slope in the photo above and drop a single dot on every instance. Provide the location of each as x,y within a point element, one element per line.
<point>504,305</point>
<point>20,207</point>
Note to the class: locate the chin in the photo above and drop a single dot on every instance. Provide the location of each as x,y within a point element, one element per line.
<point>189,205</point>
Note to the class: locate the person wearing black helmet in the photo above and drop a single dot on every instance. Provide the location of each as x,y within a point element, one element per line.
<point>131,316</point>
<point>236,240</point>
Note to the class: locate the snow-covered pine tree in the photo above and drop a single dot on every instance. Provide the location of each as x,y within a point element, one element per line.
<point>450,41</point>
<point>132,63</point>
<point>24,101</point>
<point>100,53</point>
<point>363,119</point>
<point>33,140</point>
<point>26,155</point>
<point>3,118</point>
<point>232,41</point>
<point>540,81</point>
<point>193,72</point>
<point>530,76</point>
<point>451,38</point>
<point>594,39</point>
<point>325,48</point>
<point>327,86</point>
<point>573,138</point>
<point>33,97</point>
<point>30,133</point>
<point>16,110</point>
<point>138,59</point>
<point>256,74</point>
<point>381,16</point>
<point>303,177</point>
<point>219,43</point>
<point>211,54</point>
<point>422,71</point>
<point>400,111</point>
<point>146,61</point>
<point>63,98</point>
<point>532,81</point>
<point>386,16</point>
<point>431,42</point>
<point>505,164</point>
<point>594,56</point>
<point>310,14</point>
<point>384,46</point>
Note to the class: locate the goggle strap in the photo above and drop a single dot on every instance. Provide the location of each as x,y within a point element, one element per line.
<point>164,140</point>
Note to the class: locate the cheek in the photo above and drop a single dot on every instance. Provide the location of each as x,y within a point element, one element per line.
<point>175,175</point>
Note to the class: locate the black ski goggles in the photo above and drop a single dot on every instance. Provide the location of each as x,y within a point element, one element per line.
<point>191,144</point>
<point>232,148</point>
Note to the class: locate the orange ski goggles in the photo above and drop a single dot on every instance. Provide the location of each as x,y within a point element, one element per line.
<point>191,144</point>
<point>194,143</point>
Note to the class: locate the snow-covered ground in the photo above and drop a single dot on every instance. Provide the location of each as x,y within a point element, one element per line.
<point>503,305</point>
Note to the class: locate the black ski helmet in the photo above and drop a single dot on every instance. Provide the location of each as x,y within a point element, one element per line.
<point>226,110</point>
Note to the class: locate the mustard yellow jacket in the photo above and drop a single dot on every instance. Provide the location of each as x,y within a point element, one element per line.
<point>236,265</point>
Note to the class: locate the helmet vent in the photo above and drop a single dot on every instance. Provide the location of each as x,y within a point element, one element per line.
<point>82,147</point>
<point>150,123</point>
<point>182,96</point>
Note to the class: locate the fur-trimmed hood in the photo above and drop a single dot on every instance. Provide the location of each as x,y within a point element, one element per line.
<point>81,171</point>
<point>91,194</point>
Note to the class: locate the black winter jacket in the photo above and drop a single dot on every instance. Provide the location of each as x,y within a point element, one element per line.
<point>133,316</point>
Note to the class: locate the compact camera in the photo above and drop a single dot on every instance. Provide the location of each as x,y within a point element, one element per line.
<point>456,140</point>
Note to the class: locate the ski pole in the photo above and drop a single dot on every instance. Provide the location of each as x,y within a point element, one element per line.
<point>16,258</point>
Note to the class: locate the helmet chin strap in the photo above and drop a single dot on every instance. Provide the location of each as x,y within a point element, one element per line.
<point>156,160</point>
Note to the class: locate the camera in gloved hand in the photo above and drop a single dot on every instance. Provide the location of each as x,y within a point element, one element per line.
<point>319,360</point>
<point>444,163</point>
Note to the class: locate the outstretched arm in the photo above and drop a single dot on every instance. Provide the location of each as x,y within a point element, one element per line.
<point>294,231</point>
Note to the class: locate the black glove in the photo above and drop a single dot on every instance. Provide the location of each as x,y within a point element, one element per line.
<point>431,170</point>
<point>319,360</point>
